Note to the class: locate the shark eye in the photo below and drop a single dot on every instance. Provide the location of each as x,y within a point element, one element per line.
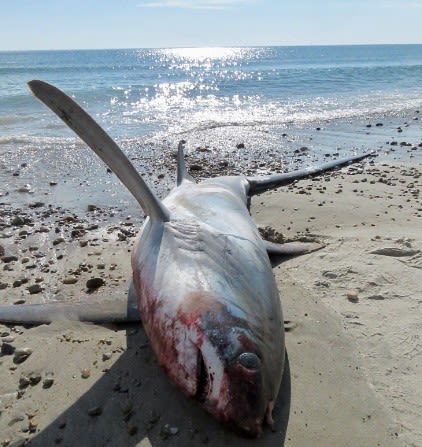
<point>249,360</point>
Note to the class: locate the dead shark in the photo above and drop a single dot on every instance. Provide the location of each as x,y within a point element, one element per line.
<point>202,280</point>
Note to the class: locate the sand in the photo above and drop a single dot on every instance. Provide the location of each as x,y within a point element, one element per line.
<point>350,309</point>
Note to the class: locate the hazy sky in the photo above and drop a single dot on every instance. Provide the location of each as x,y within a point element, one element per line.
<point>71,24</point>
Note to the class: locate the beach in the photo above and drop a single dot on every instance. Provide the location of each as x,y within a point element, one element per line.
<point>350,311</point>
<point>68,226</point>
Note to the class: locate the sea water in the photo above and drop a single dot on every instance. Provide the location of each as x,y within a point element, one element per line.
<point>149,99</point>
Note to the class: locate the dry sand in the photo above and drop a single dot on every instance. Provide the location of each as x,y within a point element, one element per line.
<point>352,321</point>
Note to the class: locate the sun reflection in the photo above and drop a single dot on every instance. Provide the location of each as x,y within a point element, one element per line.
<point>196,83</point>
<point>204,54</point>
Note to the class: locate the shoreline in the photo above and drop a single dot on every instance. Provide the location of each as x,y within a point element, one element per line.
<point>352,335</point>
<point>70,175</point>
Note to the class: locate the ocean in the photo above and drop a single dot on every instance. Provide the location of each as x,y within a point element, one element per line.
<point>240,104</point>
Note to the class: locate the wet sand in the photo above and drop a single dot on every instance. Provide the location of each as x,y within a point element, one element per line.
<point>350,309</point>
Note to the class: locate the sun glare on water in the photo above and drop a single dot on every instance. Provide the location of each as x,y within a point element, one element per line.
<point>193,82</point>
<point>204,55</point>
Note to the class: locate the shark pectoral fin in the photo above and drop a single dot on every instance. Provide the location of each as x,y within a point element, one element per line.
<point>290,249</point>
<point>258,185</point>
<point>94,308</point>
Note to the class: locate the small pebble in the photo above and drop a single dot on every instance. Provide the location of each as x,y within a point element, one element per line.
<point>34,288</point>
<point>24,188</point>
<point>21,355</point>
<point>70,280</point>
<point>376,297</point>
<point>23,382</point>
<point>7,349</point>
<point>95,283</point>
<point>195,167</point>
<point>8,338</point>
<point>352,296</point>
<point>86,372</point>
<point>34,378</point>
<point>7,259</point>
<point>47,382</point>
<point>330,275</point>
<point>33,424</point>
<point>107,356</point>
<point>16,419</point>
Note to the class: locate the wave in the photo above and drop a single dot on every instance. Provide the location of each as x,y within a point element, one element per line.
<point>9,119</point>
<point>180,114</point>
<point>220,113</point>
<point>37,141</point>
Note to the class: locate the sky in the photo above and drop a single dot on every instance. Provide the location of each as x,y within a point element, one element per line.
<point>94,24</point>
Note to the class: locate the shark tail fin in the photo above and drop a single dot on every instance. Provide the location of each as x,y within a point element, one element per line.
<point>258,185</point>
<point>101,143</point>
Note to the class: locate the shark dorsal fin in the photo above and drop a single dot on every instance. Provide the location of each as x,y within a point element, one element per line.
<point>182,172</point>
<point>102,144</point>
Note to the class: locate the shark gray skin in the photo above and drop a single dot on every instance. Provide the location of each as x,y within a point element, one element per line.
<point>202,277</point>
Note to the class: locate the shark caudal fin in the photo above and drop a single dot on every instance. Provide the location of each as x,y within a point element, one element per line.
<point>101,143</point>
<point>182,172</point>
<point>258,185</point>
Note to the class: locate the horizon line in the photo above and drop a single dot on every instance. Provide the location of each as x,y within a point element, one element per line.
<point>212,46</point>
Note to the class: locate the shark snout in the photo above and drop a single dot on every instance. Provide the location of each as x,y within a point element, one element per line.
<point>232,390</point>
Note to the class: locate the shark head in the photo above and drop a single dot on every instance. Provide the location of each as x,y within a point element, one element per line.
<point>231,380</point>
<point>231,373</point>
<point>234,381</point>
